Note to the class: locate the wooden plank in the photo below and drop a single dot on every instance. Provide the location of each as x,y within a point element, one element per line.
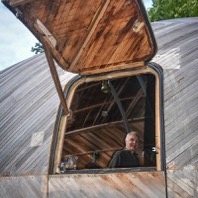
<point>16,3</point>
<point>28,105</point>
<point>56,80</point>
<point>182,183</point>
<point>105,33</point>
<point>99,14</point>
<point>108,185</point>
<point>29,186</point>
<point>180,97</point>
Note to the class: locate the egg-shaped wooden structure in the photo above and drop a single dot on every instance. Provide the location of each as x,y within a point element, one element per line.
<point>31,119</point>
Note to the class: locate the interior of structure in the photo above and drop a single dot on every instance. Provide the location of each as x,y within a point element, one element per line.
<point>102,114</point>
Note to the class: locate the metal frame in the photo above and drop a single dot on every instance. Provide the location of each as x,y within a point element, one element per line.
<point>124,117</point>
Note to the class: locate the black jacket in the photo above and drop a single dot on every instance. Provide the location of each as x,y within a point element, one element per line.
<point>124,159</point>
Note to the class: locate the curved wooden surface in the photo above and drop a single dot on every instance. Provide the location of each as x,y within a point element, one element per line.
<point>29,102</point>
<point>77,35</point>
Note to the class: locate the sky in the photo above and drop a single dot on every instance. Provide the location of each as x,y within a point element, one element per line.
<point>16,40</point>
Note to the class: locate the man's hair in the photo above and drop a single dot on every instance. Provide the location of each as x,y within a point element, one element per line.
<point>132,133</point>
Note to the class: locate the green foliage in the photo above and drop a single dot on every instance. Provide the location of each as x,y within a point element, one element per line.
<point>169,9</point>
<point>38,48</point>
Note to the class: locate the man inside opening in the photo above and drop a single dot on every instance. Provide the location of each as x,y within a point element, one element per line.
<point>127,157</point>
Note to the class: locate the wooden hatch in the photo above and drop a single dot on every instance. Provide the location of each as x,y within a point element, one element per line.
<point>90,36</point>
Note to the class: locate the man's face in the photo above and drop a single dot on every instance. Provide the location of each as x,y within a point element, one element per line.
<point>132,142</point>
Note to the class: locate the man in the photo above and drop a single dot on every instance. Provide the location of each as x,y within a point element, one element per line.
<point>127,157</point>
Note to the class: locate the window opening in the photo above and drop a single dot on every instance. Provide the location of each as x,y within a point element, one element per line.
<point>97,128</point>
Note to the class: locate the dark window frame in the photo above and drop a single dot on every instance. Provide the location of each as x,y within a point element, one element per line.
<point>159,74</point>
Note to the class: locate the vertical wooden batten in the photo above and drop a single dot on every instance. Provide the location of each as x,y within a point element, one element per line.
<point>98,16</point>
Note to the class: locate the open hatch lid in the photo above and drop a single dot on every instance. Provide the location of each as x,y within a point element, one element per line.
<point>92,36</point>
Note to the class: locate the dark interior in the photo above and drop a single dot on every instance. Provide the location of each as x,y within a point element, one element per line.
<point>102,113</point>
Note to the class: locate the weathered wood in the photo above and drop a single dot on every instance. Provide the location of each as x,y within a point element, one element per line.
<point>24,186</point>
<point>28,104</point>
<point>30,89</point>
<point>183,183</point>
<point>56,80</point>
<point>180,102</point>
<point>108,185</point>
<point>15,3</point>
<point>99,14</point>
<point>78,37</point>
<point>83,130</point>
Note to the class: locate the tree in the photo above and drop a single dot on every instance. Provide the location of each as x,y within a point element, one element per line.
<point>38,48</point>
<point>169,9</point>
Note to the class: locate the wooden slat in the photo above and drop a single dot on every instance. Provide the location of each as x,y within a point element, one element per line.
<point>28,104</point>
<point>29,186</point>
<point>103,35</point>
<point>183,183</point>
<point>177,55</point>
<point>15,3</point>
<point>118,185</point>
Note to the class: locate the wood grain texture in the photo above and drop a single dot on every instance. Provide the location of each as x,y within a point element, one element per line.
<point>23,187</point>
<point>104,140</point>
<point>108,185</point>
<point>77,35</point>
<point>178,41</point>
<point>29,103</point>
<point>182,183</point>
<point>180,85</point>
